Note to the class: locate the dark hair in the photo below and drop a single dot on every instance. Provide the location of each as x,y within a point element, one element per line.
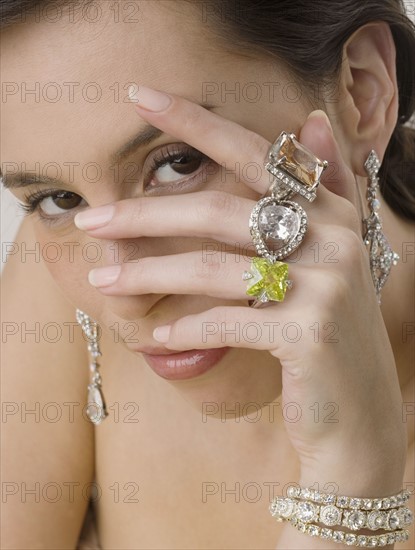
<point>309,35</point>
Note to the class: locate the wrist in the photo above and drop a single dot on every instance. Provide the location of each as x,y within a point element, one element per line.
<point>354,479</point>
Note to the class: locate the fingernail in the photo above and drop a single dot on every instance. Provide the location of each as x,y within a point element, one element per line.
<point>149,99</point>
<point>162,334</point>
<point>323,116</point>
<point>94,217</point>
<point>104,276</point>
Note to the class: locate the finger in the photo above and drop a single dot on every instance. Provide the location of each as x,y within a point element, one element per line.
<point>210,214</point>
<point>317,135</point>
<point>206,214</point>
<point>224,141</point>
<point>216,275</point>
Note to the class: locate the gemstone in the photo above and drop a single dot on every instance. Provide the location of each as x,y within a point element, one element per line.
<point>282,507</point>
<point>269,281</point>
<point>382,540</point>
<point>350,539</point>
<point>391,538</point>
<point>329,499</point>
<point>338,536</point>
<point>356,520</point>
<point>306,511</point>
<point>301,527</point>
<point>326,533</point>
<point>372,541</point>
<point>362,540</point>
<point>293,491</point>
<point>279,223</point>
<point>330,515</point>
<point>96,409</point>
<point>367,504</point>
<point>406,517</point>
<point>376,520</point>
<point>355,503</point>
<point>393,502</point>
<point>394,519</point>
<point>342,502</point>
<point>313,530</point>
<point>297,160</point>
<point>305,493</point>
<point>377,504</point>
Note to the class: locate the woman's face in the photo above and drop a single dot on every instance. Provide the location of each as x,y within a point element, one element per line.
<point>66,113</point>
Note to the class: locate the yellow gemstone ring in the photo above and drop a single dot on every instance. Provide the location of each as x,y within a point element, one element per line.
<point>278,224</point>
<point>267,281</point>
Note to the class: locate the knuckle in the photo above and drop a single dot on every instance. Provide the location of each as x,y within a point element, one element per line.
<point>351,216</point>
<point>132,211</point>
<point>351,249</point>
<point>219,206</point>
<point>192,118</point>
<point>209,268</point>
<point>256,146</point>
<point>131,273</point>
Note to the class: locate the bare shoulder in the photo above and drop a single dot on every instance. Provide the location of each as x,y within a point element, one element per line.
<point>47,444</point>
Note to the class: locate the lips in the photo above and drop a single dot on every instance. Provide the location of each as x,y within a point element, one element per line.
<point>184,364</point>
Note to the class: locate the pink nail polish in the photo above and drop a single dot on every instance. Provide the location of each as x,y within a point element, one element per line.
<point>104,276</point>
<point>149,99</point>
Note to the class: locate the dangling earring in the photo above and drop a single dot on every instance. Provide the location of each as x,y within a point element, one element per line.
<point>381,255</point>
<point>96,408</point>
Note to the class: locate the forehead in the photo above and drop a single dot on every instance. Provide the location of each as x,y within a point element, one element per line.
<point>65,81</point>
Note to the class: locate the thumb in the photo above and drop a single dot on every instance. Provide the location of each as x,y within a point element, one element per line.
<point>317,135</point>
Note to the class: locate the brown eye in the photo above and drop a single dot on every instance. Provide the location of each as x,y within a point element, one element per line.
<point>66,200</point>
<point>186,165</point>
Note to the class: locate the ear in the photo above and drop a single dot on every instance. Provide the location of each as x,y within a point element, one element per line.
<point>367,108</point>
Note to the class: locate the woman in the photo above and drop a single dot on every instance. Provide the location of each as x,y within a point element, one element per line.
<point>144,129</point>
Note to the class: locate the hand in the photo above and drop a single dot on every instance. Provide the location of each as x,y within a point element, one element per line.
<point>353,368</point>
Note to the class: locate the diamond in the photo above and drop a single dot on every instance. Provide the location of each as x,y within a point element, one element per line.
<point>330,515</point>
<point>355,502</point>
<point>279,223</point>
<point>269,281</point>
<point>382,540</point>
<point>293,491</point>
<point>362,540</point>
<point>342,502</point>
<point>306,511</point>
<point>297,160</point>
<point>329,499</point>
<point>376,520</point>
<point>376,504</point>
<point>406,517</point>
<point>393,519</point>
<point>96,408</point>
<point>326,533</point>
<point>391,538</point>
<point>338,536</point>
<point>282,507</point>
<point>386,503</point>
<point>313,530</point>
<point>367,504</point>
<point>393,502</point>
<point>372,541</point>
<point>350,539</point>
<point>356,520</point>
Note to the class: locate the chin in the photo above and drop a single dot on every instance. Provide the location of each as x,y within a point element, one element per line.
<point>241,384</point>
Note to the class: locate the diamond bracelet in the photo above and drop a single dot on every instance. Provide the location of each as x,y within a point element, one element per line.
<point>351,539</point>
<point>305,511</point>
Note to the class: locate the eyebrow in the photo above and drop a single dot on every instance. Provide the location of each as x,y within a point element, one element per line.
<point>17,180</point>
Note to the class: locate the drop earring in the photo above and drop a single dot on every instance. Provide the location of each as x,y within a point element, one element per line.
<point>96,408</point>
<point>381,255</point>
